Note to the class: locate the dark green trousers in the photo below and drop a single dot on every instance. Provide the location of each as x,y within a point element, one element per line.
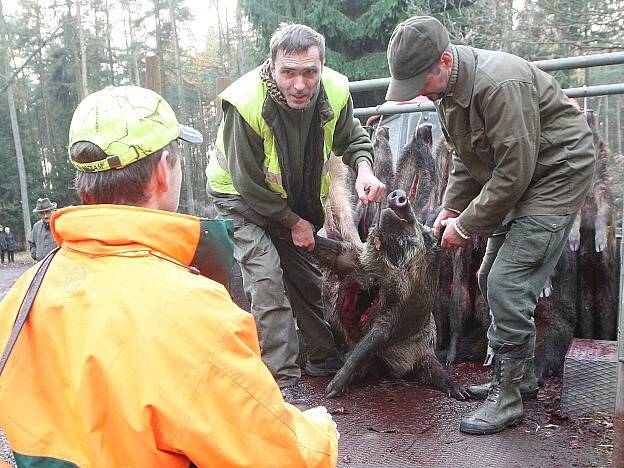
<point>519,258</point>
<point>282,284</point>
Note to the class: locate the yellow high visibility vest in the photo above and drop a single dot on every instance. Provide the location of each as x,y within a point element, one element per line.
<point>248,94</point>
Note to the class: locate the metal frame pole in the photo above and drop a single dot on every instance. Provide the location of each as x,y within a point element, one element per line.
<point>394,108</point>
<point>618,417</point>
<point>566,63</point>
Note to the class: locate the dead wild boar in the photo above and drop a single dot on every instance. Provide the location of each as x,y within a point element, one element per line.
<point>382,295</point>
<point>597,250</point>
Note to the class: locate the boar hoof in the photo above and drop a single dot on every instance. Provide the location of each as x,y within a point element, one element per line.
<point>332,393</point>
<point>335,388</point>
<point>459,392</point>
<point>450,356</point>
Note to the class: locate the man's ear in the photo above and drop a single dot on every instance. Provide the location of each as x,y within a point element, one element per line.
<point>163,172</point>
<point>446,59</point>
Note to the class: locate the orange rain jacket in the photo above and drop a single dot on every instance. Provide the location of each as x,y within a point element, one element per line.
<point>130,360</point>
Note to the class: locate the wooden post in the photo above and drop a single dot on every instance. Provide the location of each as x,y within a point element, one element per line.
<point>152,73</point>
<point>618,417</point>
<point>618,125</point>
<point>606,120</point>
<point>221,83</point>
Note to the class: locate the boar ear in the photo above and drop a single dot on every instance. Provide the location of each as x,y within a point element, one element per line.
<point>332,255</point>
<point>424,133</point>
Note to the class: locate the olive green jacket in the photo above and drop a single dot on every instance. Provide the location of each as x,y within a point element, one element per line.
<point>41,240</point>
<point>521,147</point>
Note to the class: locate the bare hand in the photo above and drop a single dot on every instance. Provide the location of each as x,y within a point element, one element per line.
<point>451,240</point>
<point>302,233</point>
<point>321,417</point>
<point>444,214</point>
<point>369,188</point>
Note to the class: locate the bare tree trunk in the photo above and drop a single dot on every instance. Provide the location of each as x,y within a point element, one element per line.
<point>152,73</point>
<point>98,79</point>
<point>32,130</point>
<point>111,61</point>
<point>222,46</point>
<point>75,47</point>
<point>240,56</point>
<point>21,170</point>
<point>133,66</point>
<point>51,140</point>
<point>228,42</point>
<point>159,50</point>
<point>598,112</point>
<point>190,196</point>
<point>618,126</point>
<point>15,128</point>
<point>606,131</point>
<point>83,55</point>
<point>200,106</point>
<point>508,27</point>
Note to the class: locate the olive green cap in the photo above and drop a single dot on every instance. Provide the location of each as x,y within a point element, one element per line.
<point>128,123</point>
<point>415,45</point>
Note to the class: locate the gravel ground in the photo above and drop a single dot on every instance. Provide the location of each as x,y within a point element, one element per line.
<point>9,272</point>
<point>6,455</point>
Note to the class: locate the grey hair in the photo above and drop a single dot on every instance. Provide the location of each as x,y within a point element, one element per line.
<point>296,38</point>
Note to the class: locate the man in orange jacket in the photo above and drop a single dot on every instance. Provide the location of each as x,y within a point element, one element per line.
<point>129,357</point>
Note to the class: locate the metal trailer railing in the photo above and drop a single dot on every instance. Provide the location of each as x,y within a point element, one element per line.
<point>567,63</point>
<point>587,61</point>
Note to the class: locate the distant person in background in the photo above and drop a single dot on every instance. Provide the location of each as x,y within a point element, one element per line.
<point>41,240</point>
<point>10,244</point>
<point>3,244</point>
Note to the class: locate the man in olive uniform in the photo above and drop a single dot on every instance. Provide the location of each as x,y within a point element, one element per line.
<point>523,162</point>
<point>269,173</point>
<point>41,240</point>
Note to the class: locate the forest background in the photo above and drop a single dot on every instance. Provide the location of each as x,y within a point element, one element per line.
<point>55,52</point>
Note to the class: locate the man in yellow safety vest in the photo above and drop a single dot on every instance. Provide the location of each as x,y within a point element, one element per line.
<point>269,173</point>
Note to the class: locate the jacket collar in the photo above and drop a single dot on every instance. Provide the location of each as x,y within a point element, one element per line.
<point>462,78</point>
<point>450,87</point>
<point>103,230</point>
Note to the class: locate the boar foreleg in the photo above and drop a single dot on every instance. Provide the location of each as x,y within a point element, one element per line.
<point>362,350</point>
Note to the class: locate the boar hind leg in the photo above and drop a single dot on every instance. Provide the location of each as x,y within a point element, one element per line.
<point>361,352</point>
<point>430,372</point>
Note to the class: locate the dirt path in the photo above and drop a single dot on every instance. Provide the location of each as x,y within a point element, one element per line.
<point>9,272</point>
